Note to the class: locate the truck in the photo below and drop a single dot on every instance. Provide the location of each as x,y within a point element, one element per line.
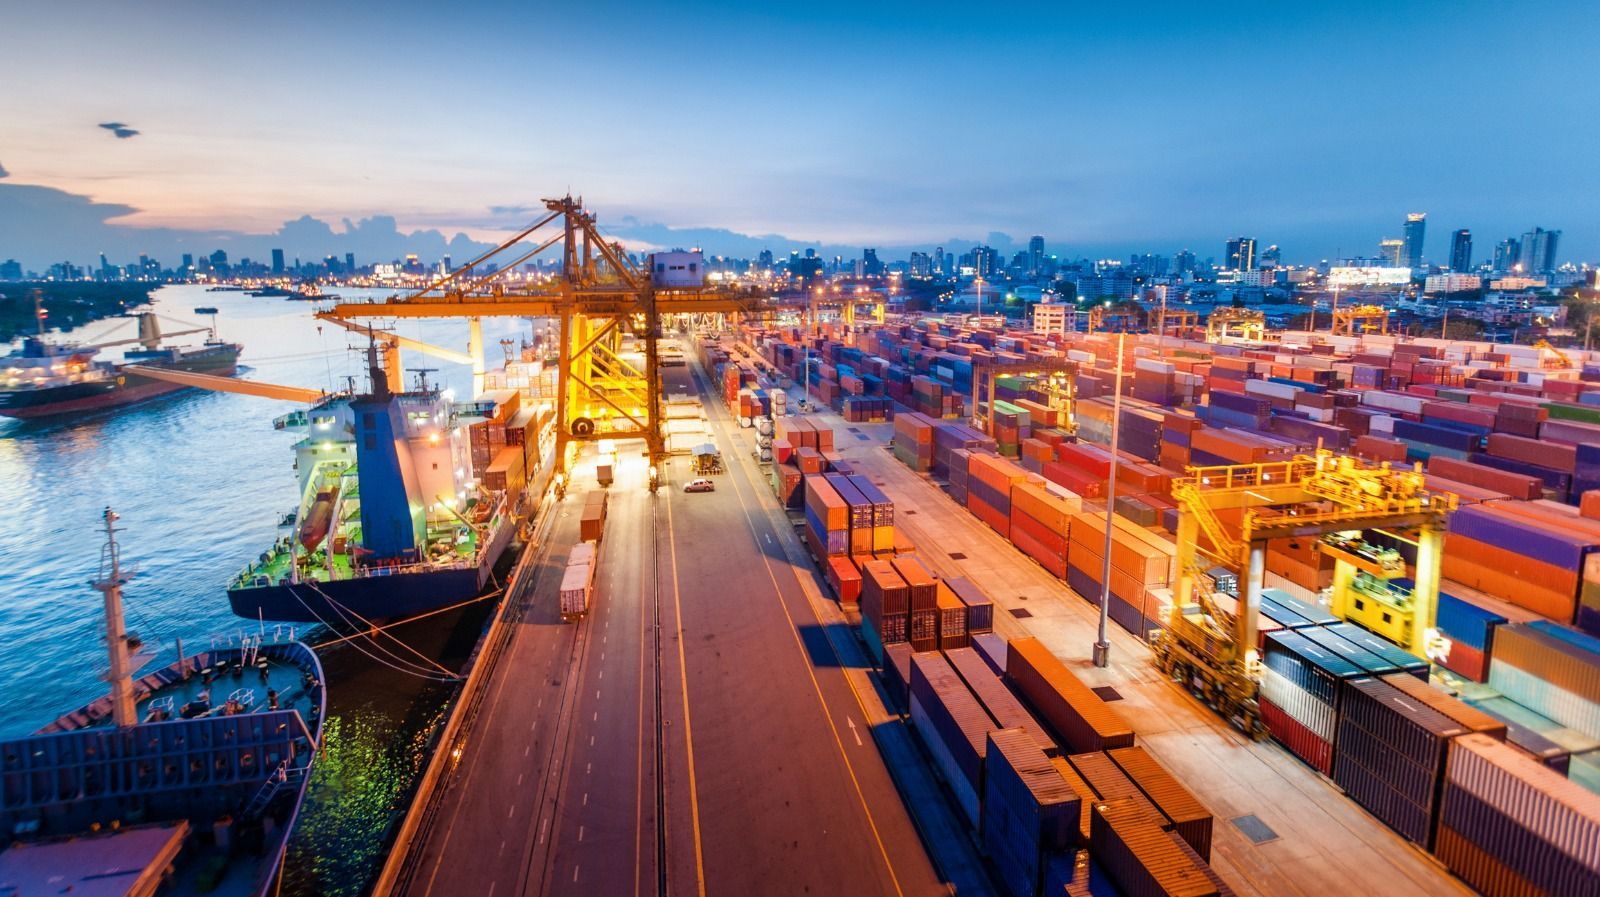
<point>577,583</point>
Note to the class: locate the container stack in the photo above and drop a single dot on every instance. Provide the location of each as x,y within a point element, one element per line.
<point>1552,670</point>
<point>1082,720</point>
<point>1389,755</point>
<point>1511,827</point>
<point>1040,522</point>
<point>913,441</point>
<point>885,607</point>
<point>1029,811</point>
<point>1140,562</point>
<point>1301,686</point>
<point>827,519</point>
<point>953,725</point>
<point>989,482</point>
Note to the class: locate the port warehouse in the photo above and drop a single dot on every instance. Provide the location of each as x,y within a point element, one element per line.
<point>1501,427</point>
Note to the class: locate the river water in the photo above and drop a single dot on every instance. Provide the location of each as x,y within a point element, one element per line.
<point>201,481</point>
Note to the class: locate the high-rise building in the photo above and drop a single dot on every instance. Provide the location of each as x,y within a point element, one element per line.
<point>1271,257</point>
<point>1416,226</point>
<point>349,263</point>
<point>1035,254</point>
<point>1539,251</point>
<point>1507,253</point>
<point>870,266</point>
<point>277,261</point>
<point>921,264</point>
<point>188,262</point>
<point>219,261</point>
<point>1392,252</point>
<point>1241,253</point>
<point>1461,251</point>
<point>941,262</point>
<point>1183,262</point>
<point>10,269</point>
<point>984,260</point>
<point>764,260</point>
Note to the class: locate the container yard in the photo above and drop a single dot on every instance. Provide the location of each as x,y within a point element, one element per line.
<point>1455,610</point>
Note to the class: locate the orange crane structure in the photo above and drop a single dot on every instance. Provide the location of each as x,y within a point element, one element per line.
<point>599,296</point>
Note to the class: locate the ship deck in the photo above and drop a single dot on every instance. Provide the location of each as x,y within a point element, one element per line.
<point>278,561</point>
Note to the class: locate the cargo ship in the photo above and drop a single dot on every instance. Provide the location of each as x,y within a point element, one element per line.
<point>401,510</point>
<point>187,780</point>
<point>43,379</point>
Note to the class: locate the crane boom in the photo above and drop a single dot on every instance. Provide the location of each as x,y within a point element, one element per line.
<point>228,384</point>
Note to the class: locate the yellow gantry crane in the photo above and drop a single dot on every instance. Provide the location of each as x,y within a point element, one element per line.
<point>1112,320</point>
<point>1058,380</point>
<point>1355,320</point>
<point>1176,322</point>
<point>599,297</point>
<point>1228,323</point>
<point>1212,647</point>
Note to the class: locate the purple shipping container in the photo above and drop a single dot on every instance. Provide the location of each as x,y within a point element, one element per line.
<point>1521,535</point>
<point>953,724</point>
<point>1389,755</point>
<point>996,698</point>
<point>992,648</point>
<point>1555,480</point>
<point>980,607</point>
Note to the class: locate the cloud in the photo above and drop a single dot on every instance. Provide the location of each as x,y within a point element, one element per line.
<point>122,131</point>
<point>513,210</point>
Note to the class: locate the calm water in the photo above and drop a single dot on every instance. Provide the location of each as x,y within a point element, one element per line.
<point>201,481</point>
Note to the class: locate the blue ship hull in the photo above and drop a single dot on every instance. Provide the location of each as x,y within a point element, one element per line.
<point>349,602</point>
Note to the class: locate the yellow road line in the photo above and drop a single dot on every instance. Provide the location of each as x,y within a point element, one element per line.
<point>688,734</point>
<point>638,774</point>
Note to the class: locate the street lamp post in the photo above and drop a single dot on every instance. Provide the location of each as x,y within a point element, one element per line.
<point>1102,645</point>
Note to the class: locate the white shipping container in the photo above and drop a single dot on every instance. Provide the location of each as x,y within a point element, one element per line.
<point>1381,425</point>
<point>1540,799</point>
<point>1268,388</point>
<point>576,586</point>
<point>1300,705</point>
<point>1393,401</point>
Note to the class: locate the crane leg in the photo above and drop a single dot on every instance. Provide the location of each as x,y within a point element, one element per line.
<point>475,349</point>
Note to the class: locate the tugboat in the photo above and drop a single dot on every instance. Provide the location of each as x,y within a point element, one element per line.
<point>184,781</point>
<point>45,379</point>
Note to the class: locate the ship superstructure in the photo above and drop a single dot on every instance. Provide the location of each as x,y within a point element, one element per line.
<point>392,520</point>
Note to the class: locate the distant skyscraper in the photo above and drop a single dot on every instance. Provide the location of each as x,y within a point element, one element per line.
<point>763,261</point>
<point>1271,257</point>
<point>984,260</point>
<point>870,266</point>
<point>444,263</point>
<point>1539,251</point>
<point>1416,226</point>
<point>940,261</point>
<point>1183,262</point>
<point>1461,251</point>
<point>1507,252</point>
<point>1241,253</point>
<point>1393,252</point>
<point>921,264</point>
<point>188,261</point>
<point>349,263</point>
<point>1035,254</point>
<point>277,261</point>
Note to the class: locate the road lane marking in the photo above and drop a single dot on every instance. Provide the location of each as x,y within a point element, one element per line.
<point>588,768</point>
<point>816,686</point>
<point>688,731</point>
<point>526,750</point>
<point>853,731</point>
<point>574,873</point>
<point>502,848</point>
<point>580,833</point>
<point>542,826</point>
<point>519,778</point>
<point>511,811</point>
<point>591,741</point>
<point>586,798</point>
<point>491,887</point>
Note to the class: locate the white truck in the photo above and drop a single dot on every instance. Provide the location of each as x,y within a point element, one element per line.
<point>577,583</point>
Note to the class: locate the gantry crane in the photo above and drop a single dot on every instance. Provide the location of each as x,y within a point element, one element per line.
<point>1213,648</point>
<point>391,344</point>
<point>1058,380</point>
<point>1355,320</point>
<point>1226,323</point>
<point>1176,322</point>
<point>1112,320</point>
<point>599,296</point>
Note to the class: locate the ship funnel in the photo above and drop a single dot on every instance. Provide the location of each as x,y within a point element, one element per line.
<point>149,331</point>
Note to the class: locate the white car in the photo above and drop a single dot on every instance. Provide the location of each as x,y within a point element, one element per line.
<point>700,485</point>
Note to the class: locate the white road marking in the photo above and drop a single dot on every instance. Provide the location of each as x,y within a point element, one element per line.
<point>591,741</point>
<point>526,750</point>
<point>602,674</point>
<point>542,826</point>
<point>597,695</point>
<point>580,833</point>
<point>596,715</point>
<point>491,887</point>
<point>574,873</point>
<point>588,768</point>
<point>511,811</point>
<point>853,731</point>
<point>519,778</point>
<point>768,537</point>
<point>586,798</point>
<point>502,853</point>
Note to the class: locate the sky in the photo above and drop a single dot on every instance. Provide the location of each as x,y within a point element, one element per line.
<point>1107,128</point>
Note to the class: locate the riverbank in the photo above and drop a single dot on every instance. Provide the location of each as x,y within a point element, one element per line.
<point>67,304</point>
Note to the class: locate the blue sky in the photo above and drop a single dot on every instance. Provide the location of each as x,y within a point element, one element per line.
<point>1106,127</point>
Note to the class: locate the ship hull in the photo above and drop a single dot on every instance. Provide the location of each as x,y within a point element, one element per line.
<point>115,392</point>
<point>347,602</point>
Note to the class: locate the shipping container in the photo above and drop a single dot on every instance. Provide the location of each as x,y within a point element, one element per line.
<point>1188,816</point>
<point>1082,720</point>
<point>1141,858</point>
<point>953,725</point>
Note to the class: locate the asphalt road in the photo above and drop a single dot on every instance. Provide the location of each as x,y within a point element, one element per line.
<point>770,781</point>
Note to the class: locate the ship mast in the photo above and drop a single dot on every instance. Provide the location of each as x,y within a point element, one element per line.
<point>110,583</point>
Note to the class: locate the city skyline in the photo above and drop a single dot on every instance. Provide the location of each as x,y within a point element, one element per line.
<point>934,151</point>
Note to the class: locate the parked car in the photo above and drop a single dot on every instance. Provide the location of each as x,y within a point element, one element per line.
<point>700,485</point>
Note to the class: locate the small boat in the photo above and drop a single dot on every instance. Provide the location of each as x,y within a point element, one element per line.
<point>186,780</point>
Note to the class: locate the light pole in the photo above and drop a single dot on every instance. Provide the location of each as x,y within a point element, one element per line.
<point>979,281</point>
<point>1102,645</point>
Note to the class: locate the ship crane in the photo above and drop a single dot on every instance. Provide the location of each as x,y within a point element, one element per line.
<point>600,295</point>
<point>1226,517</point>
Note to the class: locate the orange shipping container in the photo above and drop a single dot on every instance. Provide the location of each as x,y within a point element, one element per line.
<point>1083,720</point>
<point>1054,511</point>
